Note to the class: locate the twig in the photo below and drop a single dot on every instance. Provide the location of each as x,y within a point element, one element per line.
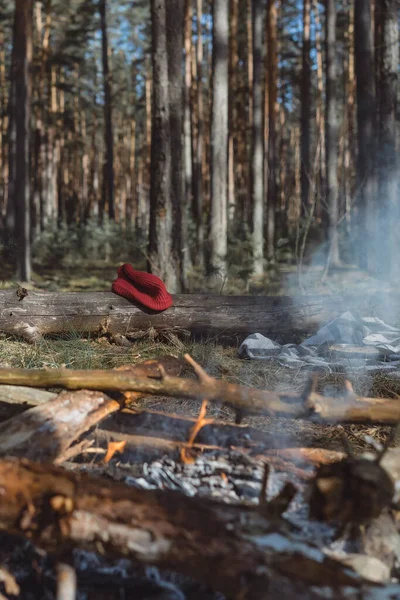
<point>200,372</point>
<point>73,451</point>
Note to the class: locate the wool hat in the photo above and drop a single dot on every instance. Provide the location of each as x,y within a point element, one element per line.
<point>143,288</point>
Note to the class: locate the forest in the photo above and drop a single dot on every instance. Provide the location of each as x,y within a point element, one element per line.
<point>199,139</point>
<point>199,299</point>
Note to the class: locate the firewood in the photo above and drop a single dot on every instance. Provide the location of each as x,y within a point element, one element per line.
<point>233,549</point>
<point>46,432</point>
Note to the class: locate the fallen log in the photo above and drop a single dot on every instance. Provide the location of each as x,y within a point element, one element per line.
<point>283,318</point>
<point>234,549</point>
<point>310,405</point>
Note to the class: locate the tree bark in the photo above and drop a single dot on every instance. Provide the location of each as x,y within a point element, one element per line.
<point>219,136</point>
<point>305,99</point>
<point>55,204</point>
<point>366,106</point>
<point>108,174</point>
<point>198,185</point>
<point>388,244</point>
<point>3,127</point>
<point>332,128</point>
<point>187,136</point>
<point>272,52</point>
<point>257,139</point>
<point>23,89</point>
<point>149,115</point>
<point>320,120</point>
<point>233,101</point>
<point>12,135</point>
<point>175,37</point>
<point>350,136</point>
<point>284,318</point>
<point>161,253</point>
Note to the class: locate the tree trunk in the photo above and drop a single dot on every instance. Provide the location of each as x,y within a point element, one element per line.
<point>23,60</point>
<point>364,67</point>
<point>257,139</point>
<point>175,24</point>
<point>131,204</point>
<point>52,199</point>
<point>187,135</point>
<point>388,244</point>
<point>108,183</point>
<point>305,99</point>
<point>248,113</point>
<point>295,204</point>
<point>272,53</point>
<point>198,159</point>
<point>148,101</point>
<point>219,136</point>
<point>320,118</point>
<point>3,126</point>
<point>331,140</point>
<point>349,152</point>
<point>160,235</point>
<point>233,92</point>
<point>47,199</point>
<point>250,65</point>
<point>12,135</point>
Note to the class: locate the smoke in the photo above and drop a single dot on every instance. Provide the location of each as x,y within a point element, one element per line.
<point>367,281</point>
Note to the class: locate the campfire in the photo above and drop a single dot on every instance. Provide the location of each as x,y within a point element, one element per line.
<point>96,487</point>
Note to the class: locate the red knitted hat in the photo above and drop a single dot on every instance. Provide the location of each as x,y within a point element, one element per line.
<point>144,288</point>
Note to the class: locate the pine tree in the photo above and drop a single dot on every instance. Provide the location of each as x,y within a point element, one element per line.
<point>219,137</point>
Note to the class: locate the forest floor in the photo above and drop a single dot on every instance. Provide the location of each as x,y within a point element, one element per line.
<point>72,351</point>
<point>280,279</point>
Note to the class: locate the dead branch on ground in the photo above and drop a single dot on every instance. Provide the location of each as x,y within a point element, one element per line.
<point>310,405</point>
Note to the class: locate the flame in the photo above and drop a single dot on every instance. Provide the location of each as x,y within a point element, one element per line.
<point>199,424</point>
<point>112,448</point>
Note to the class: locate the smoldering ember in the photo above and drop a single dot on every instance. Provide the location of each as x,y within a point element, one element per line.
<point>199,300</point>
